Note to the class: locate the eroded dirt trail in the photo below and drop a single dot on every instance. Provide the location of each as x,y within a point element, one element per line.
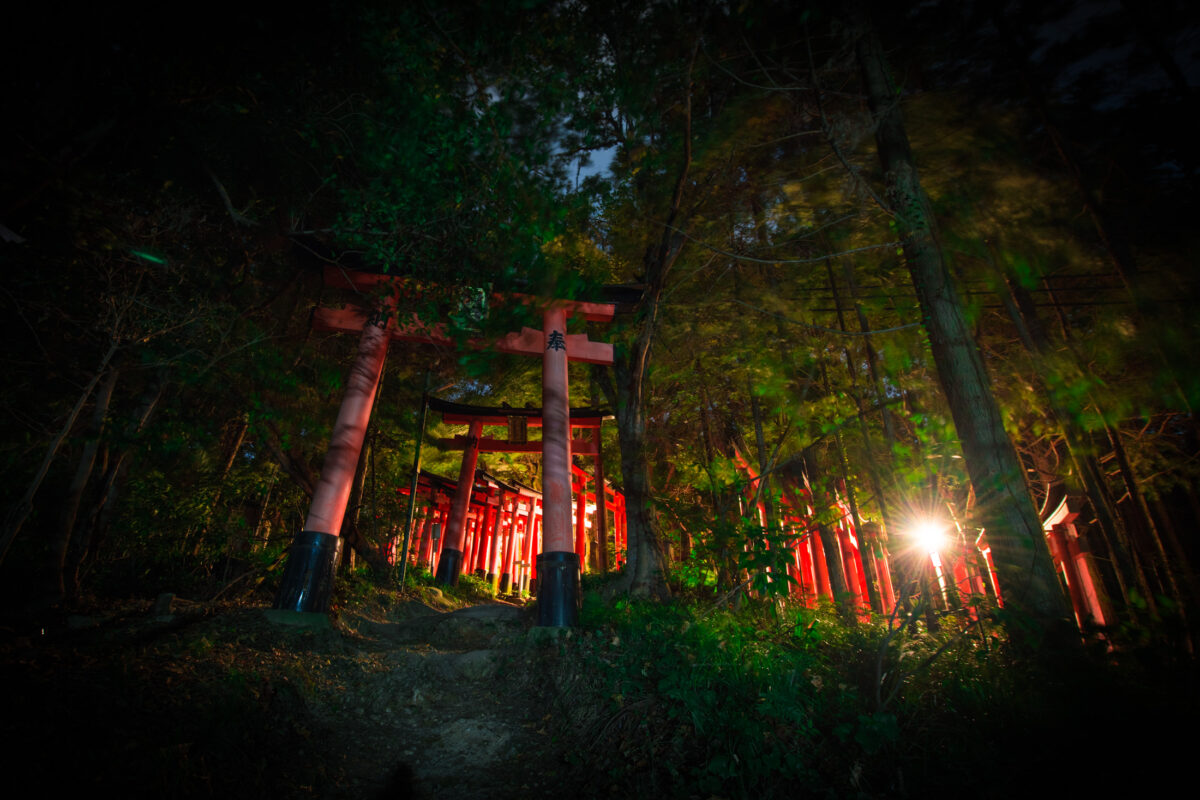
<point>393,699</point>
<point>448,702</point>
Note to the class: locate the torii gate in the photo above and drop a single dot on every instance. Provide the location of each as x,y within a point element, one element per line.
<point>312,561</point>
<point>517,420</point>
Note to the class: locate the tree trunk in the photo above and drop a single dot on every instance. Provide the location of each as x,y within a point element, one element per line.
<point>60,540</point>
<point>866,549</point>
<point>1110,525</point>
<point>89,536</point>
<point>645,558</point>
<point>1014,532</point>
<point>351,534</point>
<point>20,512</point>
<point>645,567</point>
<point>1141,513</point>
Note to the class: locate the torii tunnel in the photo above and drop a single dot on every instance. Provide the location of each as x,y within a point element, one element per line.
<point>558,592</point>
<point>954,568</point>
<point>502,529</point>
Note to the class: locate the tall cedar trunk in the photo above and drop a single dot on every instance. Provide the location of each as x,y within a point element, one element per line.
<point>722,502</point>
<point>1014,532</point>
<point>645,568</point>
<point>645,557</point>
<point>60,539</point>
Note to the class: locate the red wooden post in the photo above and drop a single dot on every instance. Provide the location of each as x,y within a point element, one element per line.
<point>621,529</point>
<point>307,583</point>
<point>507,567</point>
<point>527,549</point>
<point>823,586</point>
<point>425,550</point>
<point>852,564</point>
<point>468,548</point>
<point>489,521</point>
<point>809,569</point>
<point>601,507</point>
<point>581,521</point>
<point>558,564</point>
<point>1066,564</point>
<point>1087,584</point>
<point>535,541</point>
<point>496,544</point>
<point>452,549</point>
<point>439,532</point>
<point>870,537</point>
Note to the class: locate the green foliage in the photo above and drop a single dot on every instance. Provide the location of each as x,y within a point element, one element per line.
<point>753,691</point>
<point>777,701</point>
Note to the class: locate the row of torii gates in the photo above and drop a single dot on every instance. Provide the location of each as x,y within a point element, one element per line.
<point>550,527</point>
<point>307,584</point>
<point>502,533</point>
<point>956,572</point>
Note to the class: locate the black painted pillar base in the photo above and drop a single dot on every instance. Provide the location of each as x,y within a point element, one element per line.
<point>558,590</point>
<point>505,581</point>
<point>308,576</point>
<point>448,565</point>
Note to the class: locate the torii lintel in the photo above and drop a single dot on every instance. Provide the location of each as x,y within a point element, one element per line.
<point>529,341</point>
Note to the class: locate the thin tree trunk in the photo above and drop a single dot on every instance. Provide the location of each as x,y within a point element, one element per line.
<point>770,522</point>
<point>1014,532</point>
<point>227,458</point>
<point>1111,526</point>
<point>24,507</point>
<point>60,540</point>
<point>1141,512</point>
<point>867,548</point>
<point>90,535</point>
<point>645,557</point>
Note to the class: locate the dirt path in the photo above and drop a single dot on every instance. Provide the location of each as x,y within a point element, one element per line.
<point>392,700</point>
<point>448,701</point>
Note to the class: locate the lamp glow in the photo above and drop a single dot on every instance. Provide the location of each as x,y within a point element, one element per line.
<point>929,535</point>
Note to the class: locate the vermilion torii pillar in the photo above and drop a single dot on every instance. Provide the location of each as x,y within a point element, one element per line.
<point>452,551</point>
<point>312,561</point>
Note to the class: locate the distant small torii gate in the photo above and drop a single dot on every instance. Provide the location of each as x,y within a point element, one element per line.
<point>517,420</point>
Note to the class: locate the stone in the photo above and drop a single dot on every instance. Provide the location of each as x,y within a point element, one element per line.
<point>476,665</point>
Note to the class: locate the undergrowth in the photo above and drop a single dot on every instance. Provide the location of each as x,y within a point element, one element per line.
<point>684,699</point>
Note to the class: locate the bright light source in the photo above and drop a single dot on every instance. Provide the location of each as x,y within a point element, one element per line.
<point>929,535</point>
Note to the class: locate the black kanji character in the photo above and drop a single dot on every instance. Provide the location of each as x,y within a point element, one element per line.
<point>380,317</point>
<point>556,341</point>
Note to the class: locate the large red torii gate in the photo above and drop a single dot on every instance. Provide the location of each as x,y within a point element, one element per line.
<point>308,577</point>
